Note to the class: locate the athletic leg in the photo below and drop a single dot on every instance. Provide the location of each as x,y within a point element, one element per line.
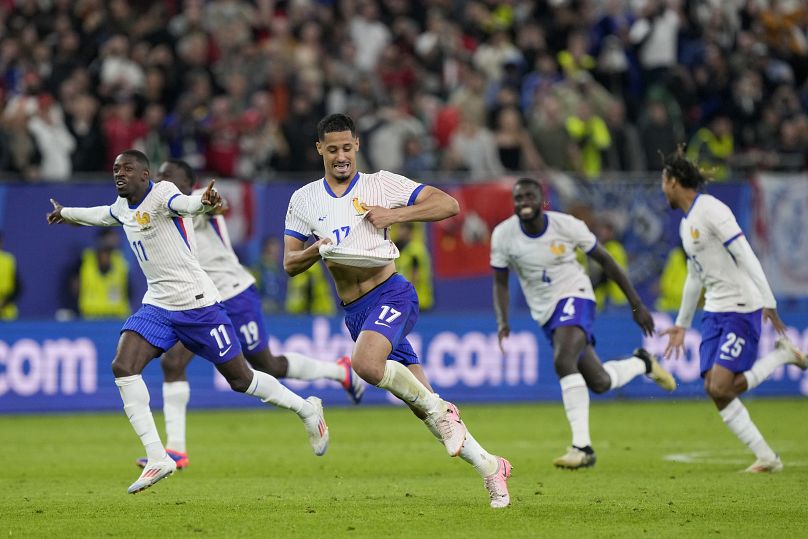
<point>784,353</point>
<point>133,354</point>
<point>720,383</point>
<point>569,342</point>
<point>602,377</point>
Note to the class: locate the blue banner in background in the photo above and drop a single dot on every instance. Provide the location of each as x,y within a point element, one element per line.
<point>59,367</point>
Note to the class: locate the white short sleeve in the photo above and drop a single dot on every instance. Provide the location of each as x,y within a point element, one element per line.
<point>399,190</point>
<point>723,223</point>
<point>296,223</point>
<point>580,235</point>
<point>499,255</point>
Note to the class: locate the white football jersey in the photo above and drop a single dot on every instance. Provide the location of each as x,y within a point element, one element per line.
<point>314,210</point>
<point>706,231</point>
<point>546,264</point>
<point>216,255</point>
<point>164,245</point>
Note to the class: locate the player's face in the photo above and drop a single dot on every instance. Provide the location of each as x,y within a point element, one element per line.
<point>527,201</point>
<point>339,154</point>
<point>174,174</point>
<point>668,187</point>
<point>131,178</point>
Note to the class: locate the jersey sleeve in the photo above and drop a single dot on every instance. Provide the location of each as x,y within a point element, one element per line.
<point>580,235</point>
<point>297,225</point>
<point>399,190</point>
<point>499,254</point>
<point>723,224</point>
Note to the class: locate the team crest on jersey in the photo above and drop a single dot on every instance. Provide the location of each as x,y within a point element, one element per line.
<point>558,249</point>
<point>360,207</point>
<point>694,233</point>
<point>143,219</point>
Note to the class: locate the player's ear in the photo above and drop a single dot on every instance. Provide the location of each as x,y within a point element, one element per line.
<point>319,147</point>
<point>356,143</point>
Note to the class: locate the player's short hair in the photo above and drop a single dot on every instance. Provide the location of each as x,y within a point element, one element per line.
<point>186,169</point>
<point>335,123</point>
<point>138,156</point>
<point>528,182</point>
<point>687,173</point>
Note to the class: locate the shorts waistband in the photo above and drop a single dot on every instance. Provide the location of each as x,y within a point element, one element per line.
<point>363,301</point>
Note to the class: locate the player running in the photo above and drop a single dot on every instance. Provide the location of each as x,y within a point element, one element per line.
<point>720,260</point>
<point>181,304</point>
<point>349,213</point>
<point>243,305</point>
<point>540,246</point>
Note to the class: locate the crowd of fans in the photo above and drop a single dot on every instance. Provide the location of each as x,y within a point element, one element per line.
<point>485,87</point>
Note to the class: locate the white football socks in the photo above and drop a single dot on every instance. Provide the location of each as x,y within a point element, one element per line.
<point>484,462</point>
<point>622,371</point>
<point>175,403</point>
<point>765,366</point>
<point>399,381</point>
<point>269,389</point>
<point>307,368</point>
<point>135,396</point>
<point>737,418</point>
<point>575,395</point>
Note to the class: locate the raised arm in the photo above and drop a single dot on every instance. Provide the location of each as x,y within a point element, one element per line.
<point>195,204</point>
<point>95,216</point>
<point>501,301</point>
<point>431,204</point>
<point>640,313</point>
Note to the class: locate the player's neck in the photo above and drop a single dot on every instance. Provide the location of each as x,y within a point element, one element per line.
<point>686,200</point>
<point>535,226</point>
<point>339,186</point>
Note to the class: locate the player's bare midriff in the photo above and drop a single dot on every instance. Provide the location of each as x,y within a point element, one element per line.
<point>353,283</point>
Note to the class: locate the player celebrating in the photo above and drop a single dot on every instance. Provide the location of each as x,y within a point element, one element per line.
<point>241,301</point>
<point>349,214</point>
<point>180,304</point>
<point>720,260</point>
<point>540,246</point>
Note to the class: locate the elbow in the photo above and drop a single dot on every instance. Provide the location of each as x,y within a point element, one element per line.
<point>289,268</point>
<point>452,208</point>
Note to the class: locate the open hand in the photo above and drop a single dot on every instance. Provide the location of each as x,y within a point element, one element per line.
<point>772,316</point>
<point>55,217</point>
<point>644,319</point>
<point>676,341</point>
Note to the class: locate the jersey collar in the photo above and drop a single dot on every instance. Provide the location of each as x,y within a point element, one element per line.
<point>131,207</point>
<point>692,204</point>
<point>351,186</point>
<point>540,234</point>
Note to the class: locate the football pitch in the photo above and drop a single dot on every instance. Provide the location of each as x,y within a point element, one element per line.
<point>665,469</point>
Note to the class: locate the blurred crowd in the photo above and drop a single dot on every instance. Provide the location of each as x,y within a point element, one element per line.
<point>486,87</point>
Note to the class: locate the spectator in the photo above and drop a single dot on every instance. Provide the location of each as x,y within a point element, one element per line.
<point>83,123</point>
<point>54,141</point>
<point>154,143</point>
<point>514,145</point>
<point>100,281</point>
<point>121,129</point>
<point>672,281</point>
<point>270,277</point>
<point>607,292</point>
<point>657,133</point>
<point>591,135</point>
<point>310,293</point>
<point>10,284</point>
<point>655,34</point>
<point>473,148</point>
<point>414,262</point>
<point>712,147</point>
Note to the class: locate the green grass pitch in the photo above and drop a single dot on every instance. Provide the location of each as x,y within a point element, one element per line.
<point>252,474</point>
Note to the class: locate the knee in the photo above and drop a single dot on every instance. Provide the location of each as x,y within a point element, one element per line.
<point>240,384</point>
<point>601,384</point>
<point>369,371</point>
<point>121,367</point>
<point>720,392</point>
<point>564,365</point>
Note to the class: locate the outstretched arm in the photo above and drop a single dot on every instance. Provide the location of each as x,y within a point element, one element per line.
<point>431,204</point>
<point>196,204</point>
<point>501,300</point>
<point>95,216</point>
<point>640,313</point>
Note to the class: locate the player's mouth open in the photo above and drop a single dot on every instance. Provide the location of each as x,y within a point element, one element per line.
<point>526,212</point>
<point>342,167</point>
